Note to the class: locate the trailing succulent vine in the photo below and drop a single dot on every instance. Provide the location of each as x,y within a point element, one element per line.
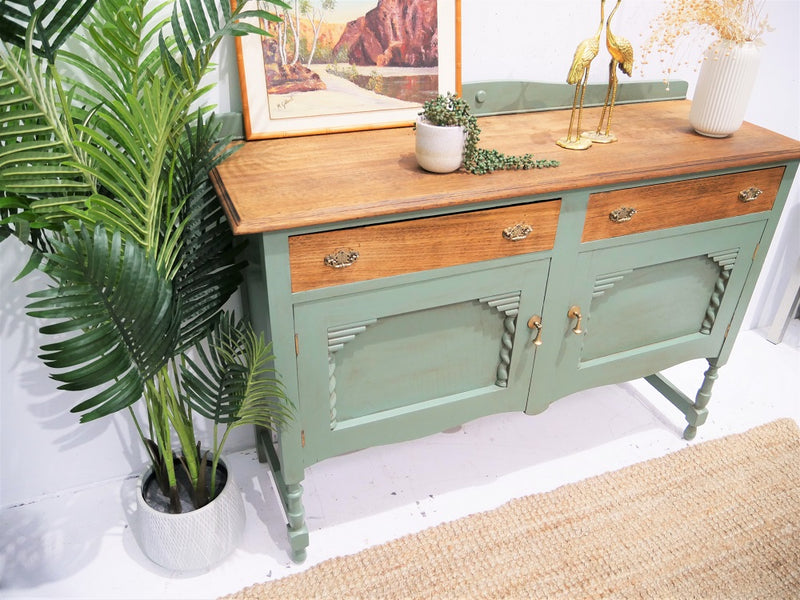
<point>448,109</point>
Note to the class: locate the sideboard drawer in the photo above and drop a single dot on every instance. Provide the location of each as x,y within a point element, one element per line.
<point>361,253</point>
<point>647,208</point>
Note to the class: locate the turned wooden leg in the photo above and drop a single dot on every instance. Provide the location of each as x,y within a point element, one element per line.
<point>298,532</point>
<point>698,413</point>
<point>695,411</point>
<point>291,494</point>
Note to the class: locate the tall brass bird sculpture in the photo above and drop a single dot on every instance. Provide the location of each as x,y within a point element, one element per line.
<point>578,75</point>
<point>621,52</point>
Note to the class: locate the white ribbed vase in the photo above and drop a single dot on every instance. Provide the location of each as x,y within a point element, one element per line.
<point>724,85</point>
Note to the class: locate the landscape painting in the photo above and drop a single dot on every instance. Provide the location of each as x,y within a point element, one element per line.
<point>340,65</point>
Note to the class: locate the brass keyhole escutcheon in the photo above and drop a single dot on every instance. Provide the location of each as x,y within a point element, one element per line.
<point>535,322</point>
<point>575,313</point>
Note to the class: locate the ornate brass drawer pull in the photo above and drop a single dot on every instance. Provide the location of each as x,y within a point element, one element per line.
<point>622,214</point>
<point>344,257</point>
<point>535,322</point>
<point>517,232</point>
<point>750,194</point>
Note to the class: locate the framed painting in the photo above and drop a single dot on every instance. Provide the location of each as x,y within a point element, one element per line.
<point>345,65</point>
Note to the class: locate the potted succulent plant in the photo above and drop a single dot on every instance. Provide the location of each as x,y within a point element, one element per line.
<point>106,149</point>
<point>447,136</point>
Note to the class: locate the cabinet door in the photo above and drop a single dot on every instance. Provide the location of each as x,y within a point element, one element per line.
<point>407,361</point>
<point>646,306</point>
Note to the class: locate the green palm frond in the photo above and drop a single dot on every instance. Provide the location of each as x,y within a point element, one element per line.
<point>199,25</point>
<point>105,154</point>
<point>118,316</point>
<point>124,59</point>
<point>135,142</point>
<point>37,180</point>
<point>55,22</point>
<point>133,168</point>
<point>210,267</point>
<point>233,383</point>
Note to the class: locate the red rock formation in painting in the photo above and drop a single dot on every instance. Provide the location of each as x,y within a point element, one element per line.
<point>287,79</point>
<point>396,33</point>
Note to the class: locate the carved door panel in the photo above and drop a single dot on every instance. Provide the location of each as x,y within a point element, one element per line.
<point>645,304</point>
<point>406,361</point>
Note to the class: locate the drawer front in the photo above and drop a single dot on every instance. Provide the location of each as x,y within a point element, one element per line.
<point>636,210</point>
<point>363,253</point>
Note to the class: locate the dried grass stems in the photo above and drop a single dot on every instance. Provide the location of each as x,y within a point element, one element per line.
<point>685,25</point>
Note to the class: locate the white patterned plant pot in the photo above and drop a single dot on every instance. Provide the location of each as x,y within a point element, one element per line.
<point>724,85</point>
<point>193,540</point>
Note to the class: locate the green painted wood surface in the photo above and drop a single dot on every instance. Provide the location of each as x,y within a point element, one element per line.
<point>504,97</point>
<point>407,388</point>
<point>649,320</point>
<point>426,358</point>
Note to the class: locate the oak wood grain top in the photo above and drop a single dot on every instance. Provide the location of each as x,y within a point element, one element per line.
<point>281,184</point>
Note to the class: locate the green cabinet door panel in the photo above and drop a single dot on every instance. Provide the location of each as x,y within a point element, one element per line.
<point>645,307</point>
<point>416,358</point>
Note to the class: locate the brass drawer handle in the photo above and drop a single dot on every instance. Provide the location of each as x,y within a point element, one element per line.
<point>750,194</point>
<point>622,214</point>
<point>344,257</point>
<point>517,232</point>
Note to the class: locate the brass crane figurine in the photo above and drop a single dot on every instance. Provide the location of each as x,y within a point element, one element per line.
<point>578,75</point>
<point>621,56</point>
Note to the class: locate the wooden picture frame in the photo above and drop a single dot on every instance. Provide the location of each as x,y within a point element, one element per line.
<point>358,76</point>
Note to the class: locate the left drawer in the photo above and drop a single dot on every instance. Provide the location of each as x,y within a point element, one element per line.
<point>362,253</point>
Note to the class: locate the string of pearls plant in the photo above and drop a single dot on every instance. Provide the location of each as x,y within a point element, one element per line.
<point>448,110</point>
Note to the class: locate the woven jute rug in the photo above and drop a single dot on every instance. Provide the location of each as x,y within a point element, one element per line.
<point>719,519</point>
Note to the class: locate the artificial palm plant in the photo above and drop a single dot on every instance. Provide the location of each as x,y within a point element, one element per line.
<point>105,150</point>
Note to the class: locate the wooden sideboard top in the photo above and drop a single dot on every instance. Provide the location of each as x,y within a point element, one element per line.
<point>279,184</point>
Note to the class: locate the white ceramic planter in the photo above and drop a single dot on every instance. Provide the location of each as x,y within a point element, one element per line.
<point>724,85</point>
<point>191,540</point>
<point>439,149</point>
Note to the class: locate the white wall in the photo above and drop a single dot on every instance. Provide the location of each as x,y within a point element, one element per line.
<point>42,447</point>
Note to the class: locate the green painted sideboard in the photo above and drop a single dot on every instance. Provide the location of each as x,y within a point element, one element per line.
<point>401,303</point>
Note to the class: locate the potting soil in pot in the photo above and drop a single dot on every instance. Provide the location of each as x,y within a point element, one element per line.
<point>158,501</point>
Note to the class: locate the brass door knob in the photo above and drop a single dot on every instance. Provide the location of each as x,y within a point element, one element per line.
<point>575,313</point>
<point>535,322</point>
